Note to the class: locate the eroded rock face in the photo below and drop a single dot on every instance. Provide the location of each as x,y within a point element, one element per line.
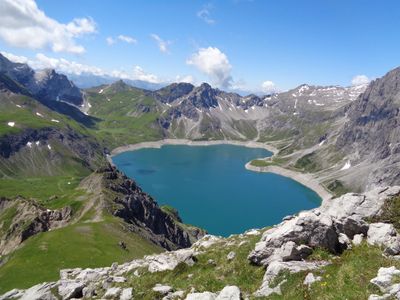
<point>142,211</point>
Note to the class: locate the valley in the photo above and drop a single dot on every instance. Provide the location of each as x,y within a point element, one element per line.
<point>61,197</point>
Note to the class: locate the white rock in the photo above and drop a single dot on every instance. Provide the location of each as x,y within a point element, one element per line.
<point>68,289</point>
<point>40,291</point>
<point>310,279</point>
<point>11,124</point>
<point>383,234</point>
<point>126,294</point>
<point>201,296</point>
<point>231,255</point>
<point>169,260</point>
<point>229,293</point>
<point>207,241</point>
<point>162,289</point>
<point>357,239</point>
<point>13,294</point>
<point>275,267</point>
<point>384,278</point>
<point>112,293</point>
<point>55,121</point>
<point>39,114</point>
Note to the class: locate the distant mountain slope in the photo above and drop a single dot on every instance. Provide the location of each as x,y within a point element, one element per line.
<point>370,138</point>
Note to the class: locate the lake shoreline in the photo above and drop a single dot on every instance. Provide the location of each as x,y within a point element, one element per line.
<point>160,143</point>
<point>305,179</point>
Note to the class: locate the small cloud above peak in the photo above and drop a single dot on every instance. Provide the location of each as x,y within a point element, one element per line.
<point>268,87</point>
<point>360,80</point>
<point>214,63</point>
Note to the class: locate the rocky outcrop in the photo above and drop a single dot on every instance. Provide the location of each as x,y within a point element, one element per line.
<point>25,219</point>
<point>323,227</point>
<point>330,226</point>
<point>385,282</point>
<point>143,214</point>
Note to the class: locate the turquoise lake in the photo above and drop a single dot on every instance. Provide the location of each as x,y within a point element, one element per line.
<point>211,188</point>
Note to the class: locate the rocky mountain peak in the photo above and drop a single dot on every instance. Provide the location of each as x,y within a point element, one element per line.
<point>173,91</point>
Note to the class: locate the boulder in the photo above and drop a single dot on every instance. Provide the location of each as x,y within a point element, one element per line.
<point>126,294</point>
<point>68,289</point>
<point>385,235</point>
<point>112,293</point>
<point>162,289</point>
<point>169,260</point>
<point>310,228</point>
<point>229,293</point>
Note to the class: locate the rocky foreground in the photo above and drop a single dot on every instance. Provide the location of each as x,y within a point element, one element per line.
<point>337,225</point>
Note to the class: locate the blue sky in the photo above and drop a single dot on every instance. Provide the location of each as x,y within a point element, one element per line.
<point>231,44</point>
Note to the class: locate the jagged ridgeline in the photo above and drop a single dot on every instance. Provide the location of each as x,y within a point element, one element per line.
<point>62,205</point>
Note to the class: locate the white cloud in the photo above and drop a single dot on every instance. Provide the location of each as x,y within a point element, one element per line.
<point>162,44</point>
<point>140,74</point>
<point>268,87</point>
<point>214,63</point>
<point>23,24</point>
<point>127,39</point>
<point>110,41</point>
<point>15,58</point>
<point>205,14</point>
<point>62,65</point>
<point>359,80</point>
<point>187,79</point>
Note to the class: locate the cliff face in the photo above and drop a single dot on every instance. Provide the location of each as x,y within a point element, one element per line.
<point>142,213</point>
<point>371,135</point>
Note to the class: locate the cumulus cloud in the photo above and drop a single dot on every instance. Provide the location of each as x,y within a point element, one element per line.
<point>205,14</point>
<point>162,44</point>
<point>268,87</point>
<point>214,63</point>
<point>359,80</point>
<point>23,24</point>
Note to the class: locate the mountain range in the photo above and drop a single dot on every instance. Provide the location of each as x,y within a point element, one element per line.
<point>55,139</point>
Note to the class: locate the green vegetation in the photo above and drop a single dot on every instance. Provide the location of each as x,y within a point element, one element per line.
<point>6,218</point>
<point>206,276</point>
<point>51,192</point>
<point>172,212</point>
<point>346,278</point>
<point>262,163</point>
<point>80,245</point>
<point>307,163</point>
<point>125,115</point>
<point>390,213</point>
<point>337,188</point>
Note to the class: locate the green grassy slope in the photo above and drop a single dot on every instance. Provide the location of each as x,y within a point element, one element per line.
<point>85,244</point>
<point>126,114</point>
